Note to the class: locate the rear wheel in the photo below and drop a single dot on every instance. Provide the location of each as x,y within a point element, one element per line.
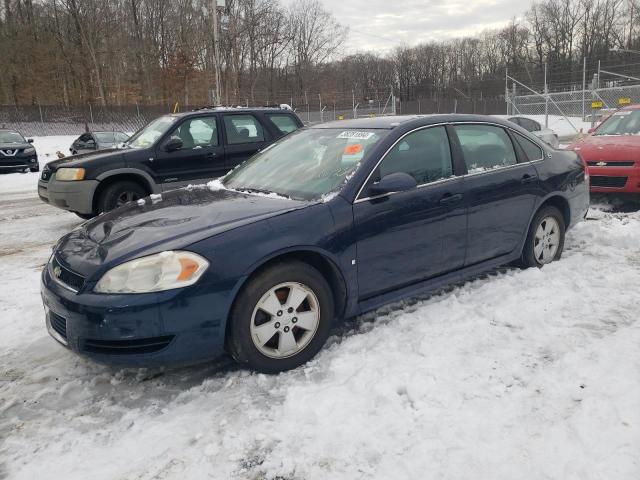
<point>85,216</point>
<point>119,194</point>
<point>34,169</point>
<point>545,240</point>
<point>281,319</point>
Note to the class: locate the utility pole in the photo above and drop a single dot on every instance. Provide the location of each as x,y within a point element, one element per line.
<point>216,53</point>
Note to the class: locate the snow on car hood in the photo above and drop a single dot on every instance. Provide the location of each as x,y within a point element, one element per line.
<point>163,222</point>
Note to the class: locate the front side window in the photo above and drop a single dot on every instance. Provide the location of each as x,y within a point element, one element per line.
<point>307,164</point>
<point>197,132</point>
<point>284,123</point>
<point>146,137</point>
<point>425,155</point>
<point>243,129</point>
<point>485,147</point>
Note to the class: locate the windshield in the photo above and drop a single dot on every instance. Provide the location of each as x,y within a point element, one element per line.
<point>149,134</point>
<point>11,137</point>
<point>624,122</point>
<point>307,164</point>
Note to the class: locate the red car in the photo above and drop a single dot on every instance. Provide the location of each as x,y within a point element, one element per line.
<point>612,152</point>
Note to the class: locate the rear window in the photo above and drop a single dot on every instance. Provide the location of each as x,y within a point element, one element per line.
<point>285,123</point>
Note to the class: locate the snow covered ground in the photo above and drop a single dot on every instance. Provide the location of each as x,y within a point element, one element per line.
<point>518,375</point>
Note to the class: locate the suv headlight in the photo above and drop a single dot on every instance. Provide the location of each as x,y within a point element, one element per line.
<point>70,174</point>
<point>155,273</point>
<point>29,151</point>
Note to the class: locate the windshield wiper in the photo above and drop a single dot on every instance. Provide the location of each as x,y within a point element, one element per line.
<point>262,191</point>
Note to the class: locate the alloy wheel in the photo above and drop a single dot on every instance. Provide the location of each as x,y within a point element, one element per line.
<point>285,320</point>
<point>547,240</point>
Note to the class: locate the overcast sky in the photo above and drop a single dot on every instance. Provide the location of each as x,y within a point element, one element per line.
<point>384,24</point>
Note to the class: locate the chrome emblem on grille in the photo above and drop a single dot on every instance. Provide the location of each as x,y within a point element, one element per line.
<point>601,164</point>
<point>57,271</point>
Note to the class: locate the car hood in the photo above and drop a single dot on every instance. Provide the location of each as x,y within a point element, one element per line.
<point>82,159</point>
<point>609,147</point>
<point>14,146</point>
<point>169,221</point>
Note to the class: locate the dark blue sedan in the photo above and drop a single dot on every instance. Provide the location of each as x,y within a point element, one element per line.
<point>328,223</point>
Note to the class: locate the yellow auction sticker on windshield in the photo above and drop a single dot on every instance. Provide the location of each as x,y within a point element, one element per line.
<point>356,134</point>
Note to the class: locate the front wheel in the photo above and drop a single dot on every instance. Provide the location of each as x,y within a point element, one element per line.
<point>545,240</point>
<point>119,194</point>
<point>281,319</point>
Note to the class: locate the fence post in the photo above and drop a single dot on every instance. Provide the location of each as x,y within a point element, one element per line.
<point>546,98</point>
<point>455,105</point>
<point>41,118</point>
<point>584,85</point>
<point>91,113</point>
<point>419,111</point>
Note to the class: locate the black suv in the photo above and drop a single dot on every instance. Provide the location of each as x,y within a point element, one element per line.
<point>170,152</point>
<point>17,153</point>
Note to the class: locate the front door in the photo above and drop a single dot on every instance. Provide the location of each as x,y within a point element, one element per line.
<point>501,192</point>
<point>244,135</point>
<point>200,159</point>
<point>404,238</point>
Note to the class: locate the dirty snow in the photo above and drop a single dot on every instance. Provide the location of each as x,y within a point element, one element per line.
<point>517,375</point>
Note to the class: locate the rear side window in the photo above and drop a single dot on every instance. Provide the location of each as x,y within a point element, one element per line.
<point>243,129</point>
<point>284,123</point>
<point>425,155</point>
<point>485,147</point>
<point>532,151</point>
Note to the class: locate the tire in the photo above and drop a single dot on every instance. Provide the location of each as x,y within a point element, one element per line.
<point>543,222</point>
<point>85,216</point>
<point>246,318</point>
<point>118,194</point>
<point>34,169</point>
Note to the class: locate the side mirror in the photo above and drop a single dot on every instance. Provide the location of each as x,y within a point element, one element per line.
<point>174,144</point>
<point>394,182</point>
<point>29,140</point>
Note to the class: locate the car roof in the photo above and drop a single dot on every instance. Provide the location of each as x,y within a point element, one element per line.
<point>231,109</point>
<point>631,107</point>
<point>393,121</point>
<point>9,130</point>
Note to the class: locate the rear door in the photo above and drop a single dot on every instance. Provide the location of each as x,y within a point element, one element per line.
<point>501,191</point>
<point>244,136</point>
<point>407,237</point>
<point>201,157</point>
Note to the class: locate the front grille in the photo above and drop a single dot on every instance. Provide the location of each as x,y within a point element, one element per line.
<point>46,174</point>
<point>127,347</point>
<point>611,182</point>
<point>66,276</point>
<point>611,163</point>
<point>59,324</point>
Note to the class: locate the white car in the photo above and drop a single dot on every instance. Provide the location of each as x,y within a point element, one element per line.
<point>545,134</point>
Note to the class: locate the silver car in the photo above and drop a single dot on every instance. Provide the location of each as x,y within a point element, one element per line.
<point>92,141</point>
<point>545,134</point>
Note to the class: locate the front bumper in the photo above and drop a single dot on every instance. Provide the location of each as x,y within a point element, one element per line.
<point>173,328</point>
<point>72,196</point>
<point>18,163</point>
<point>615,179</point>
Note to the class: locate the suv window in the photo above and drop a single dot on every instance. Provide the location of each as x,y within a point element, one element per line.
<point>197,132</point>
<point>243,129</point>
<point>85,137</point>
<point>485,147</point>
<point>425,155</point>
<point>284,123</point>
<point>531,150</point>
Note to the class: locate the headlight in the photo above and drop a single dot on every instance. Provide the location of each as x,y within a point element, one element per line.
<point>70,174</point>
<point>29,151</point>
<point>155,273</point>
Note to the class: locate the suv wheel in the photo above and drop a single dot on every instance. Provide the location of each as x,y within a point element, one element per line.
<point>281,319</point>
<point>119,194</point>
<point>545,241</point>
<point>34,169</point>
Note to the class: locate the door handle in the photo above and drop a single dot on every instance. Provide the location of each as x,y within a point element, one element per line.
<point>448,199</point>
<point>212,155</point>
<point>526,178</point>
